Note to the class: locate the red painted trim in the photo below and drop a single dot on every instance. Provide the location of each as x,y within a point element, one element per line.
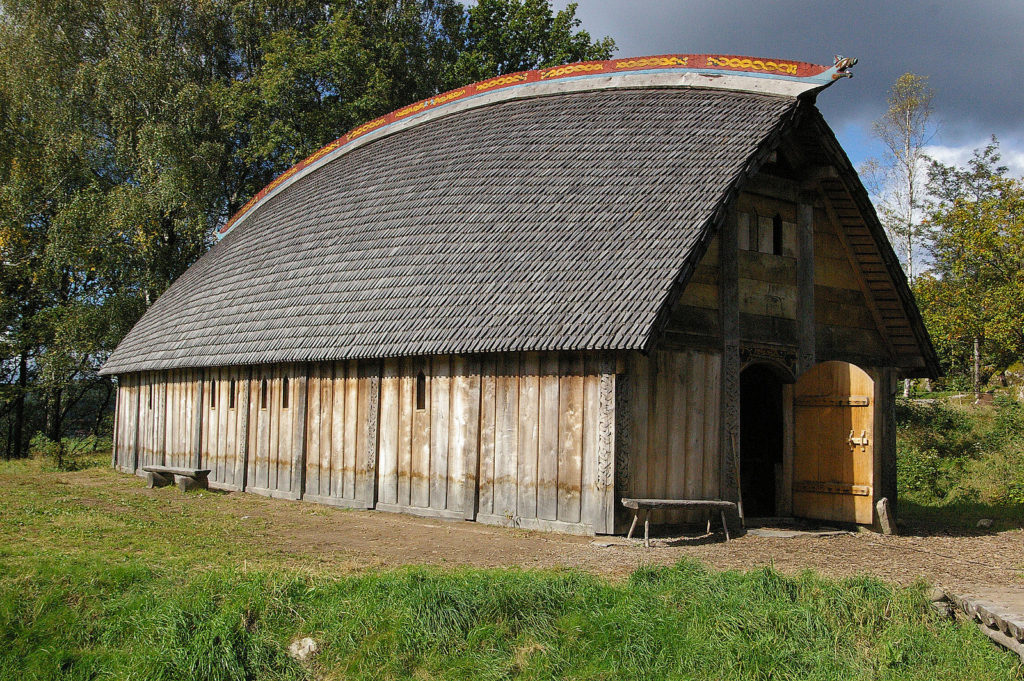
<point>719,62</point>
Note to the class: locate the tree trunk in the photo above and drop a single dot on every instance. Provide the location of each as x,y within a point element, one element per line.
<point>906,388</point>
<point>976,374</point>
<point>54,423</point>
<point>19,407</point>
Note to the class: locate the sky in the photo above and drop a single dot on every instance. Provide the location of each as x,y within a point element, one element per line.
<point>969,50</point>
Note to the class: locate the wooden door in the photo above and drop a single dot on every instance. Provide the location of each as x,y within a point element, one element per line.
<point>834,444</point>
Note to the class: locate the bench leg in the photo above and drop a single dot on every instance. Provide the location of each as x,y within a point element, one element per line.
<point>187,484</point>
<point>157,480</point>
<point>636,519</point>
<point>725,527</point>
<point>647,529</point>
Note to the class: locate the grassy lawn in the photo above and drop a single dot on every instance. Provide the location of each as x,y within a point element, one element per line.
<point>96,582</point>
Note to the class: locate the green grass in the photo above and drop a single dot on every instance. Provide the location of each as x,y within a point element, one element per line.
<point>82,621</point>
<point>960,463</point>
<point>100,580</point>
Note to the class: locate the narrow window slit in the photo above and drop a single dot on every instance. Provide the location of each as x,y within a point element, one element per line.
<point>213,394</point>
<point>284,393</point>
<point>231,395</point>
<point>421,391</point>
<point>263,393</point>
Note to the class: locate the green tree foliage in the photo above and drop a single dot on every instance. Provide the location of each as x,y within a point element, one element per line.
<point>976,286</point>
<point>129,131</point>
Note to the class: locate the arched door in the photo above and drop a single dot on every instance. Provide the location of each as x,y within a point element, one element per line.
<point>833,443</point>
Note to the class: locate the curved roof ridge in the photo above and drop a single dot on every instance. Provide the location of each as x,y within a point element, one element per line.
<point>749,74</point>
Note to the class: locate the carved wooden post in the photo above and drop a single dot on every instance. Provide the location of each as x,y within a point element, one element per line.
<point>372,371</point>
<point>604,522</point>
<point>729,305</point>
<point>805,282</point>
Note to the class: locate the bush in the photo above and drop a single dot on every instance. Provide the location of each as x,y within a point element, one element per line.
<point>936,426</point>
<point>70,454</point>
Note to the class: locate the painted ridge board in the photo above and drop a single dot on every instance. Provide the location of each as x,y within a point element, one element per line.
<point>710,71</point>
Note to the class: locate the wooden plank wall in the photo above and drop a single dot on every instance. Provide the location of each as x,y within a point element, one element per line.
<point>523,439</point>
<point>127,420</point>
<point>335,453</point>
<point>427,456</point>
<point>545,454</point>
<point>223,426</point>
<point>272,438</point>
<point>674,426</point>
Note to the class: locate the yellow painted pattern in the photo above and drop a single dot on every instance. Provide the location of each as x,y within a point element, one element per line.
<point>755,64</point>
<point>366,127</point>
<point>651,61</point>
<point>560,71</point>
<point>501,80</point>
<point>426,103</point>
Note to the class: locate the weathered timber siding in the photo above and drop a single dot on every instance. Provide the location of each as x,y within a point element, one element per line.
<point>672,416</point>
<point>523,439</point>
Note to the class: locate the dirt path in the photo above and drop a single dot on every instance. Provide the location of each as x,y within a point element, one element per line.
<point>373,538</point>
<point>338,539</point>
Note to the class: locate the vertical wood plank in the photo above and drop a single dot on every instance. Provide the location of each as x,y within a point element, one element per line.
<point>313,412</point>
<point>728,291</point>
<point>487,435</point>
<point>274,414</point>
<point>351,427</point>
<point>407,387</point>
<point>589,498</point>
<point>420,473</point>
<point>470,370</point>
<point>785,504</point>
<point>389,432</point>
<point>440,403</point>
<point>506,440</point>
<point>696,385</point>
<point>679,368</point>
<point>529,420</point>
<point>338,391</point>
<point>244,399</point>
<point>570,438</point>
<point>640,373</point>
<point>712,426</point>
<point>547,437</point>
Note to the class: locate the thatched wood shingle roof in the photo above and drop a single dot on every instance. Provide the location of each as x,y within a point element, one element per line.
<point>553,223</point>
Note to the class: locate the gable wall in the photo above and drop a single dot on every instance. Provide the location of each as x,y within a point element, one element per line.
<point>844,327</point>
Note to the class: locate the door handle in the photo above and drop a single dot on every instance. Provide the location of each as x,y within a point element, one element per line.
<point>861,441</point>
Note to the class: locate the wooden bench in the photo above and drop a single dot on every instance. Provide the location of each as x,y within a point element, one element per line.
<point>186,479</point>
<point>645,506</point>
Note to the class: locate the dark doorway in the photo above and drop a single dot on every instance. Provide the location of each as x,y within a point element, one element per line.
<point>761,434</point>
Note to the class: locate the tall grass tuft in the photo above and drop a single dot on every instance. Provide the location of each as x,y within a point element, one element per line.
<point>85,621</point>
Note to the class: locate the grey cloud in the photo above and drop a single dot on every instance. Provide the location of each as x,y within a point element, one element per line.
<point>969,50</point>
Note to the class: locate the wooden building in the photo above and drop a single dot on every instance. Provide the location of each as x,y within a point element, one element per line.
<point>522,300</point>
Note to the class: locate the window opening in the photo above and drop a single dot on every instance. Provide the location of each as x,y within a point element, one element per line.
<point>421,391</point>
<point>150,395</point>
<point>231,395</point>
<point>263,393</point>
<point>213,394</point>
<point>284,393</point>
